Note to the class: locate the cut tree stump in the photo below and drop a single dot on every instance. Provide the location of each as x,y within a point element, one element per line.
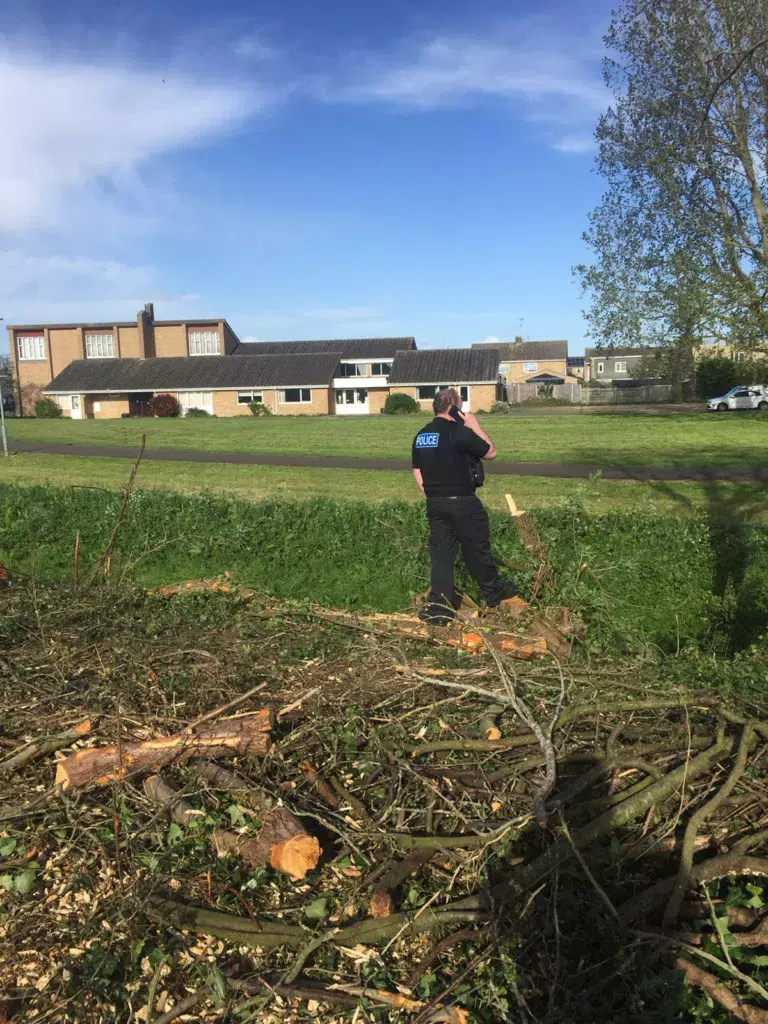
<point>245,735</point>
<point>283,843</point>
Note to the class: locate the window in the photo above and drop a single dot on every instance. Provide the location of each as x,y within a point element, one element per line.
<point>195,400</point>
<point>350,396</point>
<point>295,396</point>
<point>380,369</point>
<point>427,392</point>
<point>503,367</point>
<point>464,392</point>
<point>99,346</point>
<point>204,343</point>
<point>31,347</point>
<point>620,367</point>
<point>600,367</point>
<point>246,397</point>
<point>530,367</point>
<point>64,401</point>
<point>353,369</point>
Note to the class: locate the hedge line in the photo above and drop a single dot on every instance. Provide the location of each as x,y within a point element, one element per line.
<point>637,579</point>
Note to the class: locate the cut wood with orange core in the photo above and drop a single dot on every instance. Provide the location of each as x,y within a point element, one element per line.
<point>283,843</point>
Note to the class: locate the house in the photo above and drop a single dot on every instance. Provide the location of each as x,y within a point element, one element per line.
<point>40,352</point>
<point>609,364</point>
<point>107,370</point>
<point>361,383</point>
<point>109,388</point>
<point>474,372</point>
<point>575,366</point>
<point>530,362</point>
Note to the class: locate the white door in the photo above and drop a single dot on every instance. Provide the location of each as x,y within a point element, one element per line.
<point>77,407</point>
<point>352,401</point>
<point>741,400</point>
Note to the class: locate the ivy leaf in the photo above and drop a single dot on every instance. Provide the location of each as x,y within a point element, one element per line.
<point>236,816</point>
<point>316,910</point>
<point>7,846</point>
<point>174,833</point>
<point>24,882</point>
<point>6,882</point>
<point>760,961</point>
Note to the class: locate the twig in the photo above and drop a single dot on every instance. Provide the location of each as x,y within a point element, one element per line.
<point>697,819</point>
<point>104,560</point>
<point>224,707</point>
<point>183,1006</point>
<point>44,745</point>
<point>590,877</point>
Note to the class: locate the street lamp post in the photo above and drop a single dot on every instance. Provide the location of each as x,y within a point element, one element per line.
<point>2,415</point>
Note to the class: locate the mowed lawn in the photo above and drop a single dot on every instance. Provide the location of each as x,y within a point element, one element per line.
<point>747,502</point>
<point>734,439</point>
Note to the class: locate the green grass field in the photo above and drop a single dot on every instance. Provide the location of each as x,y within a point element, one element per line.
<point>679,439</point>
<point>747,502</point>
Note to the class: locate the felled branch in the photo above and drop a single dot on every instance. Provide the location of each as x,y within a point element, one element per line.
<point>283,843</point>
<point>44,745</point>
<point>381,898</point>
<point>246,735</point>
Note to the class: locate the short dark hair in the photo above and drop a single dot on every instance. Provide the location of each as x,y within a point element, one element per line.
<point>445,399</point>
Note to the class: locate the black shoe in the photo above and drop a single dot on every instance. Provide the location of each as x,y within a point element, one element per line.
<point>508,590</point>
<point>436,617</point>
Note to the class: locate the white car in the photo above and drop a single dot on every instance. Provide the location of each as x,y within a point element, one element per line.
<point>753,396</point>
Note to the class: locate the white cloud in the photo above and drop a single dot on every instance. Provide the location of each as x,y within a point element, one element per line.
<point>542,75</point>
<point>578,144</point>
<point>252,47</point>
<point>77,133</point>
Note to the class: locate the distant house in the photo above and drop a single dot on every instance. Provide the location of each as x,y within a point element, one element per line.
<point>609,364</point>
<point>530,362</point>
<point>575,366</point>
<point>473,372</point>
<point>361,381</point>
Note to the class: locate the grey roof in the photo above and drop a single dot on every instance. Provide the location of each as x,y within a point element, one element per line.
<point>195,373</point>
<point>516,351</point>
<point>446,366</point>
<point>617,350</point>
<point>348,348</point>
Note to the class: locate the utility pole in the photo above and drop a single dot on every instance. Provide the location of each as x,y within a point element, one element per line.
<point>2,415</point>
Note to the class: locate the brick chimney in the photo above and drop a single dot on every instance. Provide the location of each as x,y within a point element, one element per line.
<point>146,324</point>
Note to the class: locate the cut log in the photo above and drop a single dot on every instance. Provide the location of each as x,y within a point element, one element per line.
<point>381,898</point>
<point>245,735</point>
<point>44,745</point>
<point>283,843</point>
<point>165,794</point>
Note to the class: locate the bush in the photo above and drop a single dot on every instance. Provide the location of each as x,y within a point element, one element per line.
<point>164,406</point>
<point>259,409</point>
<point>400,405</point>
<point>197,414</point>
<point>716,375</point>
<point>500,409</point>
<point>47,409</point>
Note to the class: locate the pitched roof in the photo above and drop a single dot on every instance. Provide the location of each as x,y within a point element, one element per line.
<point>195,373</point>
<point>617,350</point>
<point>446,366</point>
<point>517,351</point>
<point>348,348</point>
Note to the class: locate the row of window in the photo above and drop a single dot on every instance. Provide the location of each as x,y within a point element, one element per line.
<point>527,367</point>
<point>618,367</point>
<point>428,391</point>
<point>361,369</point>
<point>31,347</point>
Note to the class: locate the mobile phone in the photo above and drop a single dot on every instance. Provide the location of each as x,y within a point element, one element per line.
<point>455,414</point>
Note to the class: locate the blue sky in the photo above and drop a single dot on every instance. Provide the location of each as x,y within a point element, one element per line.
<point>305,170</point>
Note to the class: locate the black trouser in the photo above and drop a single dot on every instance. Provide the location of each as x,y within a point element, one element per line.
<point>461,521</point>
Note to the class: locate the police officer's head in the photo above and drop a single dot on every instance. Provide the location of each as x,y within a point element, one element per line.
<point>445,399</point>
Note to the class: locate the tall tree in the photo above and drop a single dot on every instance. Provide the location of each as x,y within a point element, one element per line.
<point>680,238</point>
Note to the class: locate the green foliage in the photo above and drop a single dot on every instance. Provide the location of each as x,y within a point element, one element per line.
<point>501,409</point>
<point>400,405</point>
<point>197,414</point>
<point>47,409</point>
<point>636,579</point>
<point>716,375</point>
<point>165,406</point>
<point>259,409</point>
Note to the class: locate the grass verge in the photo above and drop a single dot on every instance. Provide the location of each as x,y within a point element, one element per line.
<point>682,439</point>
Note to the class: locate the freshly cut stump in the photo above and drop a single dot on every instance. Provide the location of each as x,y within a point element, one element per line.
<point>283,842</point>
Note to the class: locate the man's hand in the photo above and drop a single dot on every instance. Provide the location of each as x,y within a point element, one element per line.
<point>471,421</point>
<point>420,483</point>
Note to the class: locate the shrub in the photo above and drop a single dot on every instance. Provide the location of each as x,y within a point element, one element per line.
<point>500,409</point>
<point>197,414</point>
<point>47,409</point>
<point>400,405</point>
<point>715,376</point>
<point>259,409</point>
<point>164,406</point>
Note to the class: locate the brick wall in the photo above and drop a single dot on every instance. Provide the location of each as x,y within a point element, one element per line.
<point>376,399</point>
<point>319,406</point>
<point>225,402</point>
<point>516,374</point>
<point>481,396</point>
<point>171,340</point>
<point>65,345</point>
<point>130,347</point>
<point>111,406</point>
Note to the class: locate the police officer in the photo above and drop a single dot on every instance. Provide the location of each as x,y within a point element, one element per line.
<point>442,457</point>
